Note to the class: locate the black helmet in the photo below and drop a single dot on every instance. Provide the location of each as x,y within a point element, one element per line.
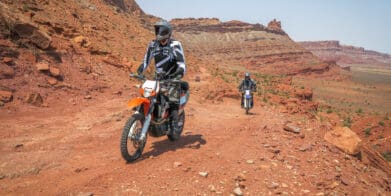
<point>163,30</point>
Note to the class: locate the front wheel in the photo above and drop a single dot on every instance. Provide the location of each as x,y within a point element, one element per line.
<point>178,131</point>
<point>131,147</point>
<point>247,105</point>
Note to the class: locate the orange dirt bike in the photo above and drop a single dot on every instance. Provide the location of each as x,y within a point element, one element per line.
<point>154,111</point>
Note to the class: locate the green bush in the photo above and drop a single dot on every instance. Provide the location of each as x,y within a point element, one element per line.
<point>381,123</point>
<point>387,156</point>
<point>359,111</point>
<point>347,122</point>
<point>25,7</point>
<point>235,73</point>
<point>367,131</point>
<point>329,110</point>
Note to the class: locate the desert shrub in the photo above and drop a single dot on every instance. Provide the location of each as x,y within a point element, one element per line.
<point>381,123</point>
<point>25,7</point>
<point>367,131</point>
<point>387,156</point>
<point>347,122</point>
<point>329,110</point>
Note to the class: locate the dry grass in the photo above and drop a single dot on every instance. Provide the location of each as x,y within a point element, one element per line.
<point>369,90</point>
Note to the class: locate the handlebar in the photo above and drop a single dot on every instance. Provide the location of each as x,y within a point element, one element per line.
<point>139,77</point>
<point>143,78</point>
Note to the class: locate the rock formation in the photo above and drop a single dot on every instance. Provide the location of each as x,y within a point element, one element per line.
<point>275,26</point>
<point>347,55</point>
<point>242,44</point>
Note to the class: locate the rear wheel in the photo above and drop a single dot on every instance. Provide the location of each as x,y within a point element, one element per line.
<point>176,133</point>
<point>131,147</point>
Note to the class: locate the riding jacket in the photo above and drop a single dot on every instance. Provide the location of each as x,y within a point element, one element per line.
<point>248,84</point>
<point>168,58</point>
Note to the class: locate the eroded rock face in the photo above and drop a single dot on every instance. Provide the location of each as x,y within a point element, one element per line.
<point>29,34</point>
<point>345,139</point>
<point>275,26</point>
<point>6,71</point>
<point>125,5</point>
<point>244,44</point>
<point>19,27</point>
<point>5,96</point>
<point>346,55</point>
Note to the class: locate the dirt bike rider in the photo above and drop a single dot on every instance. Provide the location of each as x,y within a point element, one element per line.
<point>247,84</point>
<point>169,58</point>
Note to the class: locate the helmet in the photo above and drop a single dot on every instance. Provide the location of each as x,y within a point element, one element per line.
<point>247,75</point>
<point>163,30</point>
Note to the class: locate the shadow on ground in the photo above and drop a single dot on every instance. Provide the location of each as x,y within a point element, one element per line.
<point>186,141</point>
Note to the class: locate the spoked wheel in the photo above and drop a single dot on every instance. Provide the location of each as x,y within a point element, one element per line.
<point>131,146</point>
<point>176,134</point>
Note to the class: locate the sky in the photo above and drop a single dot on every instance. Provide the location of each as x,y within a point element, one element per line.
<point>362,23</point>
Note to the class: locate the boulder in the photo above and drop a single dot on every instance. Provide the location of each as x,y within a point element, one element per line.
<point>6,71</point>
<point>54,71</point>
<point>345,139</point>
<point>291,128</point>
<point>42,66</point>
<point>82,41</point>
<point>8,60</point>
<point>237,191</point>
<point>52,81</point>
<point>304,94</point>
<point>35,99</point>
<point>31,34</point>
<point>6,96</point>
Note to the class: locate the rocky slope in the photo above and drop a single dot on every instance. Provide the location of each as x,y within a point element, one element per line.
<point>234,43</point>
<point>347,55</point>
<point>73,57</point>
<point>53,48</point>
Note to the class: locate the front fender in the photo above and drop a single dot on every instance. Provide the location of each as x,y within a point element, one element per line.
<point>138,101</point>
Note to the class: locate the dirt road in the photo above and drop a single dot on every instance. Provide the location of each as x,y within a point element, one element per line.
<point>74,149</point>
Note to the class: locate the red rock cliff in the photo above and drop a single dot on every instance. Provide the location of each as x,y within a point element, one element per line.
<point>239,43</point>
<point>347,55</point>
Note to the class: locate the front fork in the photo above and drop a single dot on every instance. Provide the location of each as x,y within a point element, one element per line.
<point>147,120</point>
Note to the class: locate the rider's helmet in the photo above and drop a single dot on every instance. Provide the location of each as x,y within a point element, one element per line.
<point>247,75</point>
<point>163,30</point>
